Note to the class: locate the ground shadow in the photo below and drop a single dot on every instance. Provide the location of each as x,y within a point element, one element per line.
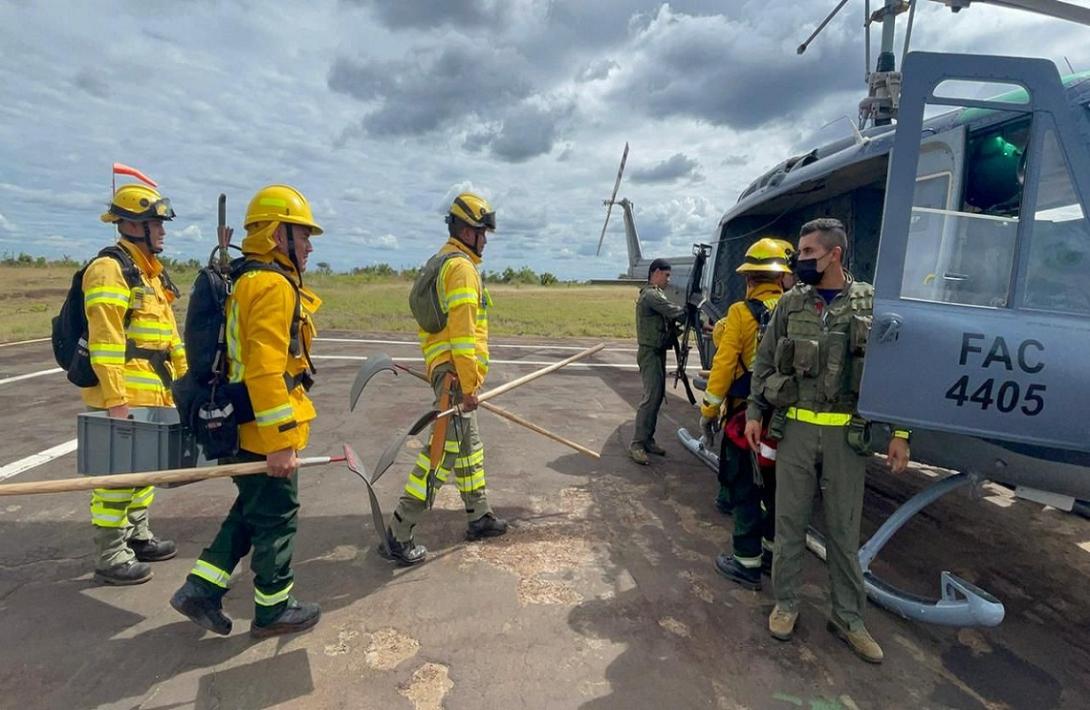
<point>704,638</point>
<point>90,648</point>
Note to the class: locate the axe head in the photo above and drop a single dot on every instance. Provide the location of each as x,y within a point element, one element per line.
<point>389,455</point>
<point>423,422</point>
<point>370,367</point>
<point>354,464</point>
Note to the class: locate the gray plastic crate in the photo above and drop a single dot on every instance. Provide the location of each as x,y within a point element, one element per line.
<point>152,440</point>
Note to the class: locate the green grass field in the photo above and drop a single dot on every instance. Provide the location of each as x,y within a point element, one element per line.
<point>30,297</point>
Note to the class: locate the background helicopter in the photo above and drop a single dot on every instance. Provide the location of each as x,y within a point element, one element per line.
<point>979,275</point>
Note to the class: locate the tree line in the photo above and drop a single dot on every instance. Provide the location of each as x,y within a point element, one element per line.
<point>524,276</point>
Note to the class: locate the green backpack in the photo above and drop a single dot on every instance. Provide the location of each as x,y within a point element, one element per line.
<point>427,304</point>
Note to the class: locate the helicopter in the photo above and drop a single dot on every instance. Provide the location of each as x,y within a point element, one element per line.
<point>972,225</point>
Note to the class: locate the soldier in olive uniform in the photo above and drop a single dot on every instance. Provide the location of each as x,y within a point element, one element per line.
<point>806,376</point>
<point>655,319</point>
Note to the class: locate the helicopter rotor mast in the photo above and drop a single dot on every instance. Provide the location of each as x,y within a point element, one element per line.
<point>884,83</point>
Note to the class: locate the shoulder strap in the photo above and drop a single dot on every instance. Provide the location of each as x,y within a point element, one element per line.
<point>444,259</point>
<point>758,310</point>
<point>129,269</point>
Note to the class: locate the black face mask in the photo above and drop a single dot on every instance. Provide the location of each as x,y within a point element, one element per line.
<point>806,271</point>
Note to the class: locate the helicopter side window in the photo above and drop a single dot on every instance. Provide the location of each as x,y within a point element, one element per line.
<point>961,248</point>
<point>925,235</point>
<point>1059,250</point>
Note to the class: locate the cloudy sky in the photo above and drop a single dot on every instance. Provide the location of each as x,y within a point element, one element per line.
<point>381,110</point>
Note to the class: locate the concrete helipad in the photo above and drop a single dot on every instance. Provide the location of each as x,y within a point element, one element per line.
<point>603,594</point>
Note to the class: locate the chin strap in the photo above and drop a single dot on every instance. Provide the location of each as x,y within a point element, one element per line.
<point>146,239</point>
<point>291,252</point>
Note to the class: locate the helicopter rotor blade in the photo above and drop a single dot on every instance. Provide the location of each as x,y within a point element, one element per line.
<point>1050,8</point>
<point>829,18</point>
<point>609,204</point>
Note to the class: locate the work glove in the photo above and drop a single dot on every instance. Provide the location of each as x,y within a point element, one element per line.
<point>709,426</point>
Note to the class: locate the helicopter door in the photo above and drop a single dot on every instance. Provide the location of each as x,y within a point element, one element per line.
<point>978,329</point>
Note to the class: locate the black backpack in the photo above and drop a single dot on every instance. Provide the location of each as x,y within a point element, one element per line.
<point>210,406</point>
<point>70,325</point>
<point>740,388</point>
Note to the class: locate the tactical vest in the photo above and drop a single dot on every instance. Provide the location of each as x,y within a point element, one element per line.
<point>822,354</point>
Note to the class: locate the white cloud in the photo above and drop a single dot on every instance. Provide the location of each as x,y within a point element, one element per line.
<point>6,225</point>
<point>193,232</point>
<point>559,85</point>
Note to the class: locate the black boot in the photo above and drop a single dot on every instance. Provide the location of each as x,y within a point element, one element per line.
<point>153,550</point>
<point>405,554</point>
<point>730,568</point>
<point>652,448</point>
<point>487,526</point>
<point>297,616</point>
<point>124,574</point>
<point>202,608</point>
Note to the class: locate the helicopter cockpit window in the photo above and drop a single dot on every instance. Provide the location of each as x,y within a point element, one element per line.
<point>1059,250</point>
<point>963,236</point>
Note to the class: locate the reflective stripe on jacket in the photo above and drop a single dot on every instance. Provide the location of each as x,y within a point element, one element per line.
<point>737,346</point>
<point>259,316</point>
<point>106,299</point>
<point>464,341</point>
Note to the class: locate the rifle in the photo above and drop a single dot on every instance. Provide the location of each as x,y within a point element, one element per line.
<point>694,297</point>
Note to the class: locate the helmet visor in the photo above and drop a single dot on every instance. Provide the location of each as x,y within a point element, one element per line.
<point>161,209</point>
<point>488,220</point>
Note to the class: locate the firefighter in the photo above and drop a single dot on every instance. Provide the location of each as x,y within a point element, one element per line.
<point>806,376</point>
<point>270,328</point>
<point>764,267</point>
<point>456,358</point>
<point>136,353</point>
<point>656,319</point>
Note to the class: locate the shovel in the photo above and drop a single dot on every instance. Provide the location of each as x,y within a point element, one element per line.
<point>390,453</point>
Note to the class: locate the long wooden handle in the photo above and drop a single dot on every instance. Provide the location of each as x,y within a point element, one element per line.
<point>508,386</point>
<point>149,478</point>
<point>540,430</point>
<point>510,416</point>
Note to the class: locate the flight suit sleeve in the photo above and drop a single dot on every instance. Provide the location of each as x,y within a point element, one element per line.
<point>462,291</point>
<point>725,364</point>
<point>657,301</point>
<point>266,334</point>
<point>764,364</point>
<point>106,300</point>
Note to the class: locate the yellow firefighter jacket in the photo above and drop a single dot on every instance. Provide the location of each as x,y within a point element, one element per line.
<point>260,348</point>
<point>736,347</point>
<point>464,342</point>
<point>151,326</point>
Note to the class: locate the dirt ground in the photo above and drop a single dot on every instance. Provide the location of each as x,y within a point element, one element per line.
<point>602,595</point>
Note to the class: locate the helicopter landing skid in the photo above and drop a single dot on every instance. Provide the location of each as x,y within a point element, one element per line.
<point>699,449</point>
<point>961,603</point>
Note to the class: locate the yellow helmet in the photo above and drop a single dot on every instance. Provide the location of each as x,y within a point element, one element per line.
<point>765,256</point>
<point>281,203</point>
<point>137,203</point>
<point>474,210</point>
<point>788,247</point>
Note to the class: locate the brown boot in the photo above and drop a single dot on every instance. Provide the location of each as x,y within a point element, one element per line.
<point>638,454</point>
<point>859,641</point>
<point>781,623</point>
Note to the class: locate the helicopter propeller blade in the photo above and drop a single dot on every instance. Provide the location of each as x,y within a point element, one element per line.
<point>609,204</point>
